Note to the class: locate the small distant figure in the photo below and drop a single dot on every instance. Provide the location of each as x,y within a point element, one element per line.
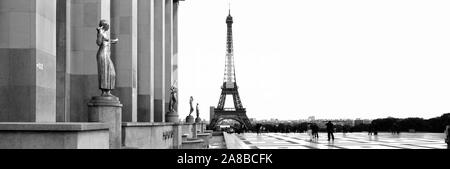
<point>309,131</point>
<point>257,129</point>
<point>375,131</point>
<point>315,131</point>
<point>395,129</point>
<point>330,131</point>
<point>447,137</point>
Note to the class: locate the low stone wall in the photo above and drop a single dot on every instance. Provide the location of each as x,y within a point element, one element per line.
<point>152,135</point>
<point>187,128</point>
<point>201,127</point>
<point>54,136</point>
<point>96,136</point>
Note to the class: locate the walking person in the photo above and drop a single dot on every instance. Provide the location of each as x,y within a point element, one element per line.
<point>447,137</point>
<point>330,131</point>
<point>315,129</point>
<point>370,130</point>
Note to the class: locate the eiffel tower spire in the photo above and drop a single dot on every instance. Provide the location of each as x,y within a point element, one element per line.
<point>230,74</point>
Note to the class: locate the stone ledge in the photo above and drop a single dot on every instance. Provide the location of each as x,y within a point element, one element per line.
<point>145,124</point>
<point>53,126</point>
<point>193,141</point>
<point>184,123</point>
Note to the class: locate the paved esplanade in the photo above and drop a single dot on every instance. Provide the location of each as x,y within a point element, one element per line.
<point>342,141</point>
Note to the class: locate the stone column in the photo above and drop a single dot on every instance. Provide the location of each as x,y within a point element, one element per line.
<point>175,43</point>
<point>27,61</point>
<point>62,61</point>
<point>194,130</point>
<point>124,55</point>
<point>146,59</point>
<point>168,54</point>
<point>84,16</point>
<point>160,87</point>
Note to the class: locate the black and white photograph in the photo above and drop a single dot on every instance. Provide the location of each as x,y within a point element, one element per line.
<point>246,77</point>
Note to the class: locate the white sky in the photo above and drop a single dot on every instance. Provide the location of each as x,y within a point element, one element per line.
<point>323,58</point>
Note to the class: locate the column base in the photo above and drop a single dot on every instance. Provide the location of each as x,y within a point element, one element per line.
<point>108,110</point>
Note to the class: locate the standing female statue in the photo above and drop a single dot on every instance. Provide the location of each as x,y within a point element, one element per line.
<point>197,110</point>
<point>106,71</point>
<point>173,99</point>
<point>190,103</point>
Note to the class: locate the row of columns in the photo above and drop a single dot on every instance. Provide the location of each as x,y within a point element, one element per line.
<point>48,64</point>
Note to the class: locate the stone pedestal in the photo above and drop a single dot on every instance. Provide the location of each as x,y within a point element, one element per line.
<point>172,117</point>
<point>190,119</point>
<point>194,131</point>
<point>198,120</point>
<point>108,110</point>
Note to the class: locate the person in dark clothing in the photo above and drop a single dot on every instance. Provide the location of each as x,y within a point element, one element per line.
<point>395,129</point>
<point>316,131</point>
<point>447,136</point>
<point>258,129</point>
<point>330,131</point>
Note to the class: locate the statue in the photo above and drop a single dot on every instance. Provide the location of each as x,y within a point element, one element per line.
<point>106,108</point>
<point>106,71</point>
<point>198,119</point>
<point>173,99</point>
<point>198,113</point>
<point>189,118</point>
<point>190,103</point>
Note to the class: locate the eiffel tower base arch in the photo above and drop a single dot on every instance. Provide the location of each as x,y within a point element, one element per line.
<point>230,115</point>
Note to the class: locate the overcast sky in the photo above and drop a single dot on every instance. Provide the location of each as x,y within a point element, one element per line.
<point>323,58</point>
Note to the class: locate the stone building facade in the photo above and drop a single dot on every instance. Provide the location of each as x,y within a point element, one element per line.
<point>48,70</point>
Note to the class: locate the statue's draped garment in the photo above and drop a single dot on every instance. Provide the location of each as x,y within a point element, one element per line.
<point>106,71</point>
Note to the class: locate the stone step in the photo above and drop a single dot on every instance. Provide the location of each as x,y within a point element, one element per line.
<point>193,144</point>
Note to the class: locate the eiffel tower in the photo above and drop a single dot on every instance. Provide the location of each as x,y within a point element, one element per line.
<point>230,87</point>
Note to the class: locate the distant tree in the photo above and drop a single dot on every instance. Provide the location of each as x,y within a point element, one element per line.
<point>360,128</point>
<point>347,128</point>
<point>417,124</point>
<point>303,127</point>
<point>438,124</point>
<point>339,128</point>
<point>385,124</point>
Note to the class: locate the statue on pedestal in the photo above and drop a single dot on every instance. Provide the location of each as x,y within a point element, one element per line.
<point>198,119</point>
<point>198,114</point>
<point>173,99</point>
<point>106,71</point>
<point>190,118</point>
<point>106,108</point>
<point>192,108</point>
<point>172,115</point>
